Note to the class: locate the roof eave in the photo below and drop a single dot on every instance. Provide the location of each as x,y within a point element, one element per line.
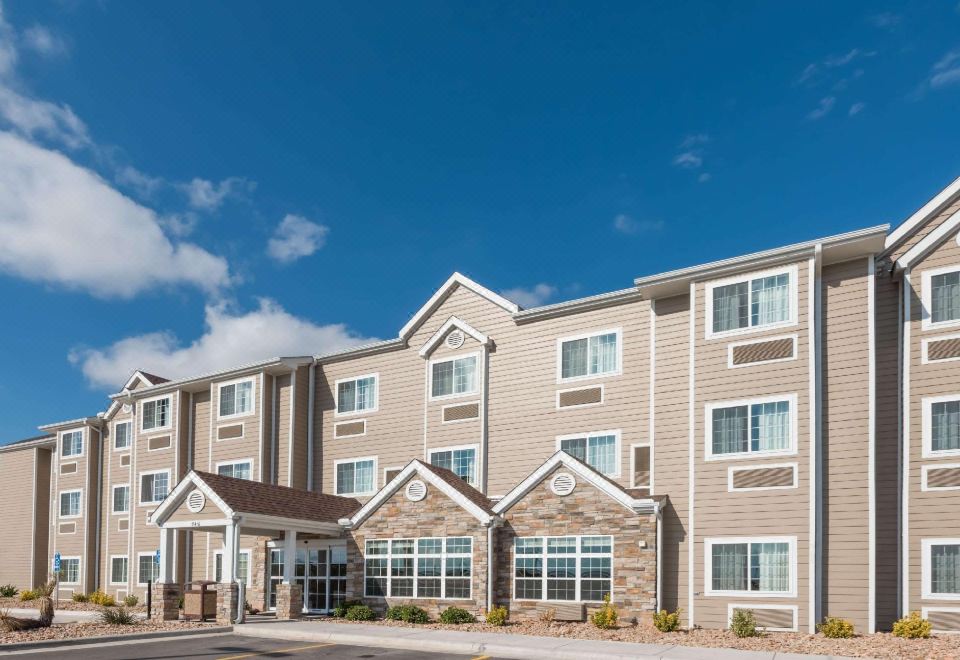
<point>82,421</point>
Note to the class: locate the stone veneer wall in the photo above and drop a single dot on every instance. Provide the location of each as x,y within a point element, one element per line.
<point>586,511</point>
<point>259,569</point>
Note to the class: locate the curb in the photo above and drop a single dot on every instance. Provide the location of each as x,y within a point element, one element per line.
<point>104,639</point>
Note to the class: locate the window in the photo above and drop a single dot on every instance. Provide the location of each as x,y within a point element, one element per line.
<point>572,568</point>
<point>148,568</point>
<point>598,450</point>
<point>155,414</point>
<point>237,470</point>
<point>356,477</point>
<point>154,486</point>
<point>941,569</point>
<point>462,461</point>
<point>744,566</point>
<point>945,297</point>
<point>121,498</point>
<point>590,355</point>
<point>763,300</point>
<point>419,568</point>
<point>941,425</point>
<point>70,570</point>
<point>357,395</point>
<point>642,457</point>
<point>71,443</point>
<point>70,504</point>
<point>243,566</point>
<point>121,435</point>
<point>763,426</point>
<point>236,399</point>
<point>453,377</point>
<point>118,570</point>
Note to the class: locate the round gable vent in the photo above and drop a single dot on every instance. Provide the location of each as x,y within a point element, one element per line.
<point>416,490</point>
<point>196,501</point>
<point>455,339</point>
<point>563,484</point>
<point>127,407</point>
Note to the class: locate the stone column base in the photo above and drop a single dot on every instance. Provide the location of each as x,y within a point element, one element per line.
<point>228,600</point>
<point>289,601</point>
<point>165,604</point>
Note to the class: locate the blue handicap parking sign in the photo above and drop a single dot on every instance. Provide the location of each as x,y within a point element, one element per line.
<point>56,562</point>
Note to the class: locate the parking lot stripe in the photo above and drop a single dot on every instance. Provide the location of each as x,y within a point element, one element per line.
<point>271,652</point>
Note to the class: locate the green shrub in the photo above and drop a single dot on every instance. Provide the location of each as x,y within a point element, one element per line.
<point>497,616</point>
<point>118,617</point>
<point>180,603</point>
<point>743,623</point>
<point>836,628</point>
<point>29,594</point>
<point>606,617</point>
<point>80,598</point>
<point>101,598</point>
<point>912,626</point>
<point>360,613</point>
<point>456,615</point>
<point>8,591</point>
<point>408,614</point>
<point>665,621</point>
<point>131,600</point>
<point>340,611</point>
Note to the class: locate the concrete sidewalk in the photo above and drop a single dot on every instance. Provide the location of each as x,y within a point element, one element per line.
<point>497,645</point>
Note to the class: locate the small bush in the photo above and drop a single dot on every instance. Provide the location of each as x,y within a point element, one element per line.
<point>101,598</point>
<point>497,616</point>
<point>340,611</point>
<point>131,601</point>
<point>408,614</point>
<point>547,615</point>
<point>80,598</point>
<point>118,617</point>
<point>29,594</point>
<point>360,613</point>
<point>665,621</point>
<point>456,615</point>
<point>606,617</point>
<point>836,628</point>
<point>8,591</point>
<point>912,626</point>
<point>743,623</point>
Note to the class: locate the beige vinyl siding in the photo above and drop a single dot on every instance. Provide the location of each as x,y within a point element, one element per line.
<point>113,541</point>
<point>41,541</point>
<point>925,230</point>
<point>267,464</point>
<point>75,544</point>
<point>283,428</point>
<point>244,447</point>
<point>202,438</point>
<point>17,470</point>
<point>300,413</point>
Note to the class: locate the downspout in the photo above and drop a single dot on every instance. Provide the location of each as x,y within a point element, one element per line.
<point>188,541</point>
<point>241,587</point>
<point>96,534</point>
<point>659,513</point>
<point>273,431</point>
<point>310,411</point>
<point>490,566</point>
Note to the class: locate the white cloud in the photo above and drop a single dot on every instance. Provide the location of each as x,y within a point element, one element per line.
<point>208,196</point>
<point>946,71</point>
<point>41,40</point>
<point>229,339</point>
<point>56,217</point>
<point>626,224</point>
<point>703,178</point>
<point>823,109</point>
<point>144,184</point>
<point>8,46</point>
<point>857,108</point>
<point>534,296</point>
<point>815,73</point>
<point>34,118</point>
<point>688,160</point>
<point>885,20</point>
<point>296,237</point>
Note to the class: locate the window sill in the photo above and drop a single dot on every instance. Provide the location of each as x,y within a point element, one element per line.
<point>749,456</point>
<point>749,594</point>
<point>739,332</point>
<point>228,418</point>
<point>582,379</point>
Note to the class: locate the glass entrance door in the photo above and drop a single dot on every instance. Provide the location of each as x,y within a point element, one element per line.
<point>321,573</point>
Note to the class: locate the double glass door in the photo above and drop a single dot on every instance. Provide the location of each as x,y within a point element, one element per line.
<point>321,573</point>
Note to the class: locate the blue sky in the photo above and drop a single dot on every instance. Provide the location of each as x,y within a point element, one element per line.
<point>186,186</point>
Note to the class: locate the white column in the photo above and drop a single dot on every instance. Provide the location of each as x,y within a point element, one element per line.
<point>229,553</point>
<point>166,555</point>
<point>289,555</point>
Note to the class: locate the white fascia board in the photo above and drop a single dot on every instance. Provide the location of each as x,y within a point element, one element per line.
<point>934,206</point>
<point>437,299</point>
<point>452,322</point>
<point>930,241</point>
<point>83,421</point>
<point>170,503</point>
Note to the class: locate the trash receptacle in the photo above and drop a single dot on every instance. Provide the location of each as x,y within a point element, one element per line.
<point>200,601</point>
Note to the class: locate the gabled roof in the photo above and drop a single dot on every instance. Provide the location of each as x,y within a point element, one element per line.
<point>582,471</point>
<point>82,421</point>
<point>443,292</point>
<point>28,443</point>
<point>452,322</point>
<point>911,225</point>
<point>929,242</point>
<point>458,490</point>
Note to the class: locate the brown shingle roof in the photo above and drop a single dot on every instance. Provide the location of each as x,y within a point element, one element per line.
<point>245,496</point>
<point>462,487</point>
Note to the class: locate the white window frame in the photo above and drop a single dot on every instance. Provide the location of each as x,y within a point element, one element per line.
<point>618,450</point>
<point>925,349</point>
<point>156,429</point>
<point>708,544</point>
<point>924,469</point>
<point>443,410</point>
<point>140,500</point>
<point>760,466</point>
<point>708,428</point>
<point>248,553</point>
<point>633,467</point>
<point>152,556</point>
<point>236,461</point>
<point>587,335</point>
<point>113,499</point>
<point>730,365</point>
<point>926,570</point>
<point>112,557</point>
<point>443,556</point>
<point>351,413</point>
<point>396,468</point>
<point>927,413</point>
<point>129,424</point>
<point>926,299</point>
<point>578,555</point>
<point>83,443</point>
<point>792,297</point>
<point>477,386</point>
<point>70,491</point>
<point>476,460</point>
<point>253,397</point>
<point>79,568</point>
<point>336,484</point>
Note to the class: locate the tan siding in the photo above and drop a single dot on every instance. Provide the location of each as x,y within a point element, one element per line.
<point>925,230</point>
<point>283,429</point>
<point>238,446</point>
<point>17,485</point>
<point>201,430</point>
<point>300,444</point>
<point>266,458</point>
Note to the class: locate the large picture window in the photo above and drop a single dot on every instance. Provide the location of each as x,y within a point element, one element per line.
<point>755,301</point>
<point>563,568</point>
<point>462,461</point>
<point>155,414</point>
<point>589,355</point>
<point>356,477</point>
<point>236,399</point>
<point>357,395</point>
<point>598,450</point>
<point>454,377</point>
<point>419,568</point>
<point>751,566</point>
<point>762,426</point>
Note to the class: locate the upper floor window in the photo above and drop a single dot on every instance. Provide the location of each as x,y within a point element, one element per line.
<point>754,301</point>
<point>598,450</point>
<point>121,435</point>
<point>453,377</point>
<point>237,470</point>
<point>590,355</point>
<point>154,486</point>
<point>462,461</point>
<point>945,297</point>
<point>357,394</point>
<point>236,398</point>
<point>70,504</point>
<point>71,443</point>
<point>356,477</point>
<point>751,427</point>
<point>155,414</point>
<point>121,499</point>
<point>762,566</point>
<point>941,425</point>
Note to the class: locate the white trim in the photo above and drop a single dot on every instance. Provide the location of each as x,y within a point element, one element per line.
<point>764,340</point>
<point>235,461</point>
<point>169,446</point>
<point>936,466</point>
<point>708,544</point>
<point>871,447</point>
<point>476,459</point>
<point>767,606</point>
<point>929,242</point>
<point>357,411</point>
<point>136,578</point>
<point>926,611</point>
<point>291,428</point>
<point>415,556</point>
<point>618,447</point>
<point>652,410</point>
<point>253,397</point>
<point>935,205</point>
<point>924,357</point>
<point>792,298</point>
<point>441,294</point>
<point>396,468</point>
<point>578,555</point>
<point>633,466</point>
<point>454,358</point>
<point>617,371</point>
<point>140,476</point>
<point>349,435</point>
<point>457,405</point>
<point>745,468</point>
<point>190,481</point>
<point>260,435</point>
<point>926,297</point>
<point>790,398</point>
<point>926,571</point>
<point>249,554</point>
<point>691,538</point>
<point>128,422</point>
<point>242,436</point>
<point>113,499</point>
<point>157,429</point>
<point>83,443</point>
<point>110,571</point>
<point>452,322</point>
<point>360,459</point>
<point>123,531</point>
<point>814,366</point>
<point>926,404</point>
<point>579,406</point>
<point>60,495</point>
<point>61,466</point>
<point>906,319</point>
<point>79,569</point>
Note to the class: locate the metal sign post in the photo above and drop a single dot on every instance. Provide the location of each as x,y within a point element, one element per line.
<point>56,572</point>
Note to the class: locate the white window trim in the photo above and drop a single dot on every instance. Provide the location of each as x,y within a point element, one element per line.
<point>124,582</point>
<point>140,500</point>
<point>336,484</point>
<point>79,568</point>
<point>603,397</point>
<point>389,556</point>
<point>476,460</point>
<point>83,443</point>
<point>235,461</point>
<point>113,500</point>
<point>351,435</point>
<point>708,544</point>
<point>927,572</point>
<point>157,429</point>
<point>60,468</point>
<point>759,466</point>
<point>618,449</point>
<point>633,467</point>
<point>253,397</point>
<point>925,612</point>
<point>927,413</point>
<point>248,553</point>
<point>578,555</point>
<point>924,487</point>
<point>924,349</point>
<point>732,345</point>
<point>398,469</point>
<point>769,606</point>
<point>457,395</point>
<point>243,432</point>
<point>586,335</point>
<point>128,422</point>
<point>60,504</point>
<point>926,298</point>
<point>708,428</point>
<point>792,297</point>
<point>351,413</point>
<point>119,520</point>
<point>152,555</point>
<point>460,403</point>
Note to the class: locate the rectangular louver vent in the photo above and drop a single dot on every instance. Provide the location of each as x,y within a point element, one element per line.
<point>459,413</point>
<point>943,620</point>
<point>582,397</point>
<point>348,429</point>
<point>161,442</point>
<point>771,618</point>
<point>230,432</point>
<point>944,349</point>
<point>68,528</point>
<point>941,477</point>
<point>762,477</point>
<point>758,352</point>
<point>68,468</point>
<point>123,525</point>
<point>125,460</point>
